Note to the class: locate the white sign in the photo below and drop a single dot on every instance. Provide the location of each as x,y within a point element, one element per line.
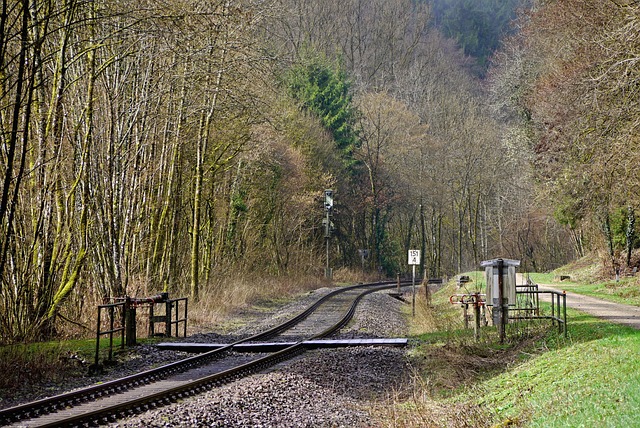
<point>414,257</point>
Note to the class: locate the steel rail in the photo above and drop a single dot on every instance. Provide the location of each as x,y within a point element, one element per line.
<point>300,317</point>
<point>51,404</point>
<point>110,414</point>
<point>131,407</point>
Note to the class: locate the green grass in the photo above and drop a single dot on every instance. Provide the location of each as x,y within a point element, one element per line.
<point>590,379</point>
<point>477,282</point>
<point>537,378</point>
<point>52,349</point>
<point>544,278</point>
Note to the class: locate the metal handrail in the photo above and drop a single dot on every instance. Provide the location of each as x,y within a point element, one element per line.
<point>558,306</point>
<point>112,329</point>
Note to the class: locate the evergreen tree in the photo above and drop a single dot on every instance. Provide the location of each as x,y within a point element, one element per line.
<point>324,90</point>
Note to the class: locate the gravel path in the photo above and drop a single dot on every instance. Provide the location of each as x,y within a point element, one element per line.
<point>615,312</point>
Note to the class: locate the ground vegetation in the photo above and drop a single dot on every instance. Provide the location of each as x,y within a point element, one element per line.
<point>523,382</point>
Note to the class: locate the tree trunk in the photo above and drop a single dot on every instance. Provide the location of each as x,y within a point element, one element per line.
<point>630,233</point>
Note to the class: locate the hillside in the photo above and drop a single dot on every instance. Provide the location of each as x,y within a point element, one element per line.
<point>538,378</point>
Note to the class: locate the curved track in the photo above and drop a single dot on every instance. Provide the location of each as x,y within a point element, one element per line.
<point>133,394</point>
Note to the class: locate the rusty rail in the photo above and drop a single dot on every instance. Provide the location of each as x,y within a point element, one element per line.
<point>51,404</point>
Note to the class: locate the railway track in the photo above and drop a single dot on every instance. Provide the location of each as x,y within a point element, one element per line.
<point>107,402</point>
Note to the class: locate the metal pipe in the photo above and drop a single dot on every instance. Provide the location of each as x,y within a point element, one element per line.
<point>327,236</point>
<point>413,283</point>
<point>564,304</point>
<point>186,303</point>
<point>559,323</point>
<point>167,315</point>
<point>111,323</point>
<point>501,318</point>
<point>122,320</point>
<point>98,338</point>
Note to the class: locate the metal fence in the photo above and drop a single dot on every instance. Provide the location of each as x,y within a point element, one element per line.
<point>528,305</point>
<point>122,319</point>
<point>112,310</point>
<point>172,318</point>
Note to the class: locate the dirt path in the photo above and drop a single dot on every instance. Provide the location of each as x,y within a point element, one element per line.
<point>615,312</point>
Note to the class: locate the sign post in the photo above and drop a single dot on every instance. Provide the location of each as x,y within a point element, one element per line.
<point>414,260</point>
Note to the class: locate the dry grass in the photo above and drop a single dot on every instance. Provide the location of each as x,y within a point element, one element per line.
<point>438,315</point>
<point>350,276</point>
<point>447,363</point>
<point>423,413</point>
<point>598,267</point>
<point>220,301</point>
<point>422,410</point>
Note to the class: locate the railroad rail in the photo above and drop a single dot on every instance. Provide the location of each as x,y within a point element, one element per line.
<point>160,386</point>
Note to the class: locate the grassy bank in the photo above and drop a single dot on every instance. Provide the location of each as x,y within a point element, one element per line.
<point>538,378</point>
<point>590,379</point>
<point>24,365</point>
<point>625,290</point>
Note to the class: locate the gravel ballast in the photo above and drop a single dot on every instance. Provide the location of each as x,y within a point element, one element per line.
<point>321,388</point>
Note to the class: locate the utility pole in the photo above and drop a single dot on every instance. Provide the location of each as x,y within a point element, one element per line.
<point>413,261</point>
<point>328,208</point>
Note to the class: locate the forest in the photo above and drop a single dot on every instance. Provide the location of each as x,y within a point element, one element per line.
<point>174,145</point>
